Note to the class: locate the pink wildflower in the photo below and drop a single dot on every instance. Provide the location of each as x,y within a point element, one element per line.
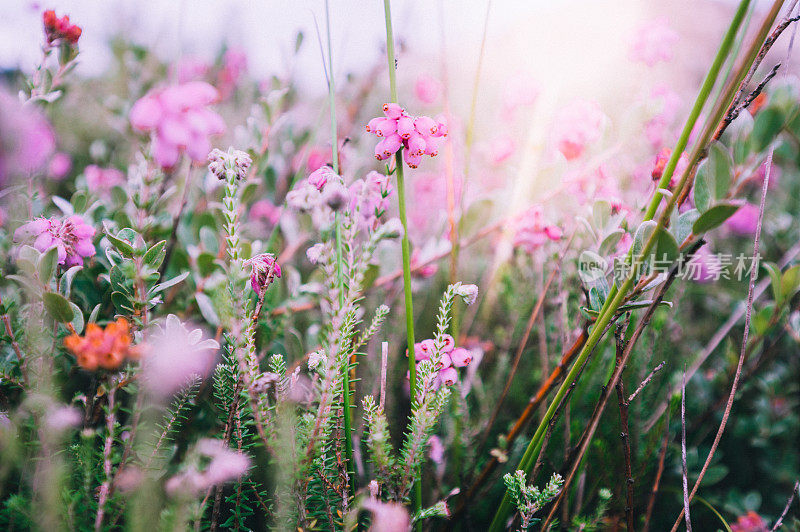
<point>190,68</point>
<point>59,166</point>
<point>370,197</point>
<point>461,357</point>
<point>501,149</point>
<point>320,176</point>
<point>654,42</point>
<point>436,450</point>
<point>744,221</point>
<point>750,522</point>
<point>60,29</point>
<point>234,65</point>
<point>667,103</point>
<point>179,120</point>
<point>427,89</point>
<point>397,130</point>
<point>102,178</point>
<point>424,272</point>
<point>265,210</point>
<point>26,138</point>
<point>448,376</point>
<point>531,232</point>
<point>317,157</point>
<point>72,237</point>
<point>578,125</point>
<point>387,516</point>
<point>264,270</point>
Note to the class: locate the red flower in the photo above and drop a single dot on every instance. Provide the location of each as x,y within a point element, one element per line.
<point>60,28</point>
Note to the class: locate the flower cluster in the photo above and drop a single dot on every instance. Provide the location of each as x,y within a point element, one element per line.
<point>57,29</point>
<point>418,135</point>
<point>531,232</point>
<point>654,42</point>
<point>236,161</point>
<point>72,237</point>
<point>179,119</point>
<point>102,348</point>
<point>102,179</point>
<point>579,124</point>
<point>451,357</point>
<point>224,465</point>
<point>263,270</point>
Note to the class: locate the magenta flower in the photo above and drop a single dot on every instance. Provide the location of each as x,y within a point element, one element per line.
<point>179,120</point>
<point>72,237</point>
<point>531,232</point>
<point>320,176</point>
<point>744,221</point>
<point>370,197</point>
<point>461,357</point>
<point>579,124</point>
<point>234,65</point>
<point>265,210</point>
<point>654,42</point>
<point>264,270</point>
<point>397,129</point>
<point>427,89</point>
<point>59,166</point>
<point>102,179</point>
<point>26,138</point>
<point>448,376</point>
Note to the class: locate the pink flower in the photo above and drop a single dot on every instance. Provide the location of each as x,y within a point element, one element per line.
<point>461,357</point>
<point>72,237</point>
<point>578,125</point>
<point>317,157</point>
<point>60,165</point>
<point>234,65</point>
<point>369,197</point>
<point>750,522</point>
<point>26,138</point>
<point>102,179</point>
<point>500,149</point>
<point>387,516</point>
<point>179,120</point>
<point>264,270</point>
<point>666,104</point>
<point>744,221</point>
<point>190,68</point>
<point>654,42</point>
<point>704,266</point>
<point>320,176</point>
<point>265,210</point>
<point>424,272</point>
<point>448,376</point>
<point>521,91</point>
<point>427,89</point>
<point>224,465</point>
<point>397,130</point>
<point>173,354</point>
<point>531,232</point>
<point>436,450</point>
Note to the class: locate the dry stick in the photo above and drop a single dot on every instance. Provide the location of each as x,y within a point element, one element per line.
<point>604,397</point>
<point>651,503</point>
<point>646,381</point>
<point>743,351</point>
<point>720,335</point>
<point>523,419</point>
<point>684,469</point>
<point>779,522</point>
<point>625,432</point>
<point>518,356</point>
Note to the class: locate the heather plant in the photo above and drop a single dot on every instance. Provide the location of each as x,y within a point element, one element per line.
<point>219,312</point>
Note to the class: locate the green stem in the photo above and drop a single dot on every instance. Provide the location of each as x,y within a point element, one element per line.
<point>406,246</point>
<point>616,296</point>
<point>348,421</point>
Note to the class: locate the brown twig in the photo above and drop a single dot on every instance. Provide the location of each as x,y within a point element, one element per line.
<point>684,469</point>
<point>779,522</point>
<point>743,351</point>
<point>625,432</point>
<point>651,503</point>
<point>646,381</point>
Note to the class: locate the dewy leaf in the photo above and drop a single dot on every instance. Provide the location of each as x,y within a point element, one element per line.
<point>701,191</point>
<point>768,124</point>
<point>601,212</point>
<point>610,242</point>
<point>720,169</point>
<point>58,307</point>
<point>715,216</point>
<point>666,248</point>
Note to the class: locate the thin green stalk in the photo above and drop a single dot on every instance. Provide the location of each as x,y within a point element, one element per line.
<point>616,296</point>
<point>348,421</point>
<point>406,246</point>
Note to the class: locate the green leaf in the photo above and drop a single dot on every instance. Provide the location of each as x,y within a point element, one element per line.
<point>46,268</point>
<point>206,307</point>
<point>79,201</point>
<point>118,280</point>
<point>643,233</point>
<point>666,248</point>
<point>122,302</point>
<point>684,223</point>
<point>775,277</point>
<point>720,170</point>
<point>166,284</point>
<point>768,123</point>
<point>715,216</point>
<point>701,191</point>
<point>77,318</point>
<point>790,282</point>
<point>155,255</point>
<point>210,239</point>
<point>121,245</point>
<point>609,243</point>
<point>601,212</point>
<point>95,312</point>
<point>67,278</point>
<point>58,306</point>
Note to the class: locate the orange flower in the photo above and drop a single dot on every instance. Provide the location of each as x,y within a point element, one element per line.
<point>99,348</point>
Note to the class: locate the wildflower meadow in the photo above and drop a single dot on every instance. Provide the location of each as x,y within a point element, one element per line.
<point>426,296</point>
